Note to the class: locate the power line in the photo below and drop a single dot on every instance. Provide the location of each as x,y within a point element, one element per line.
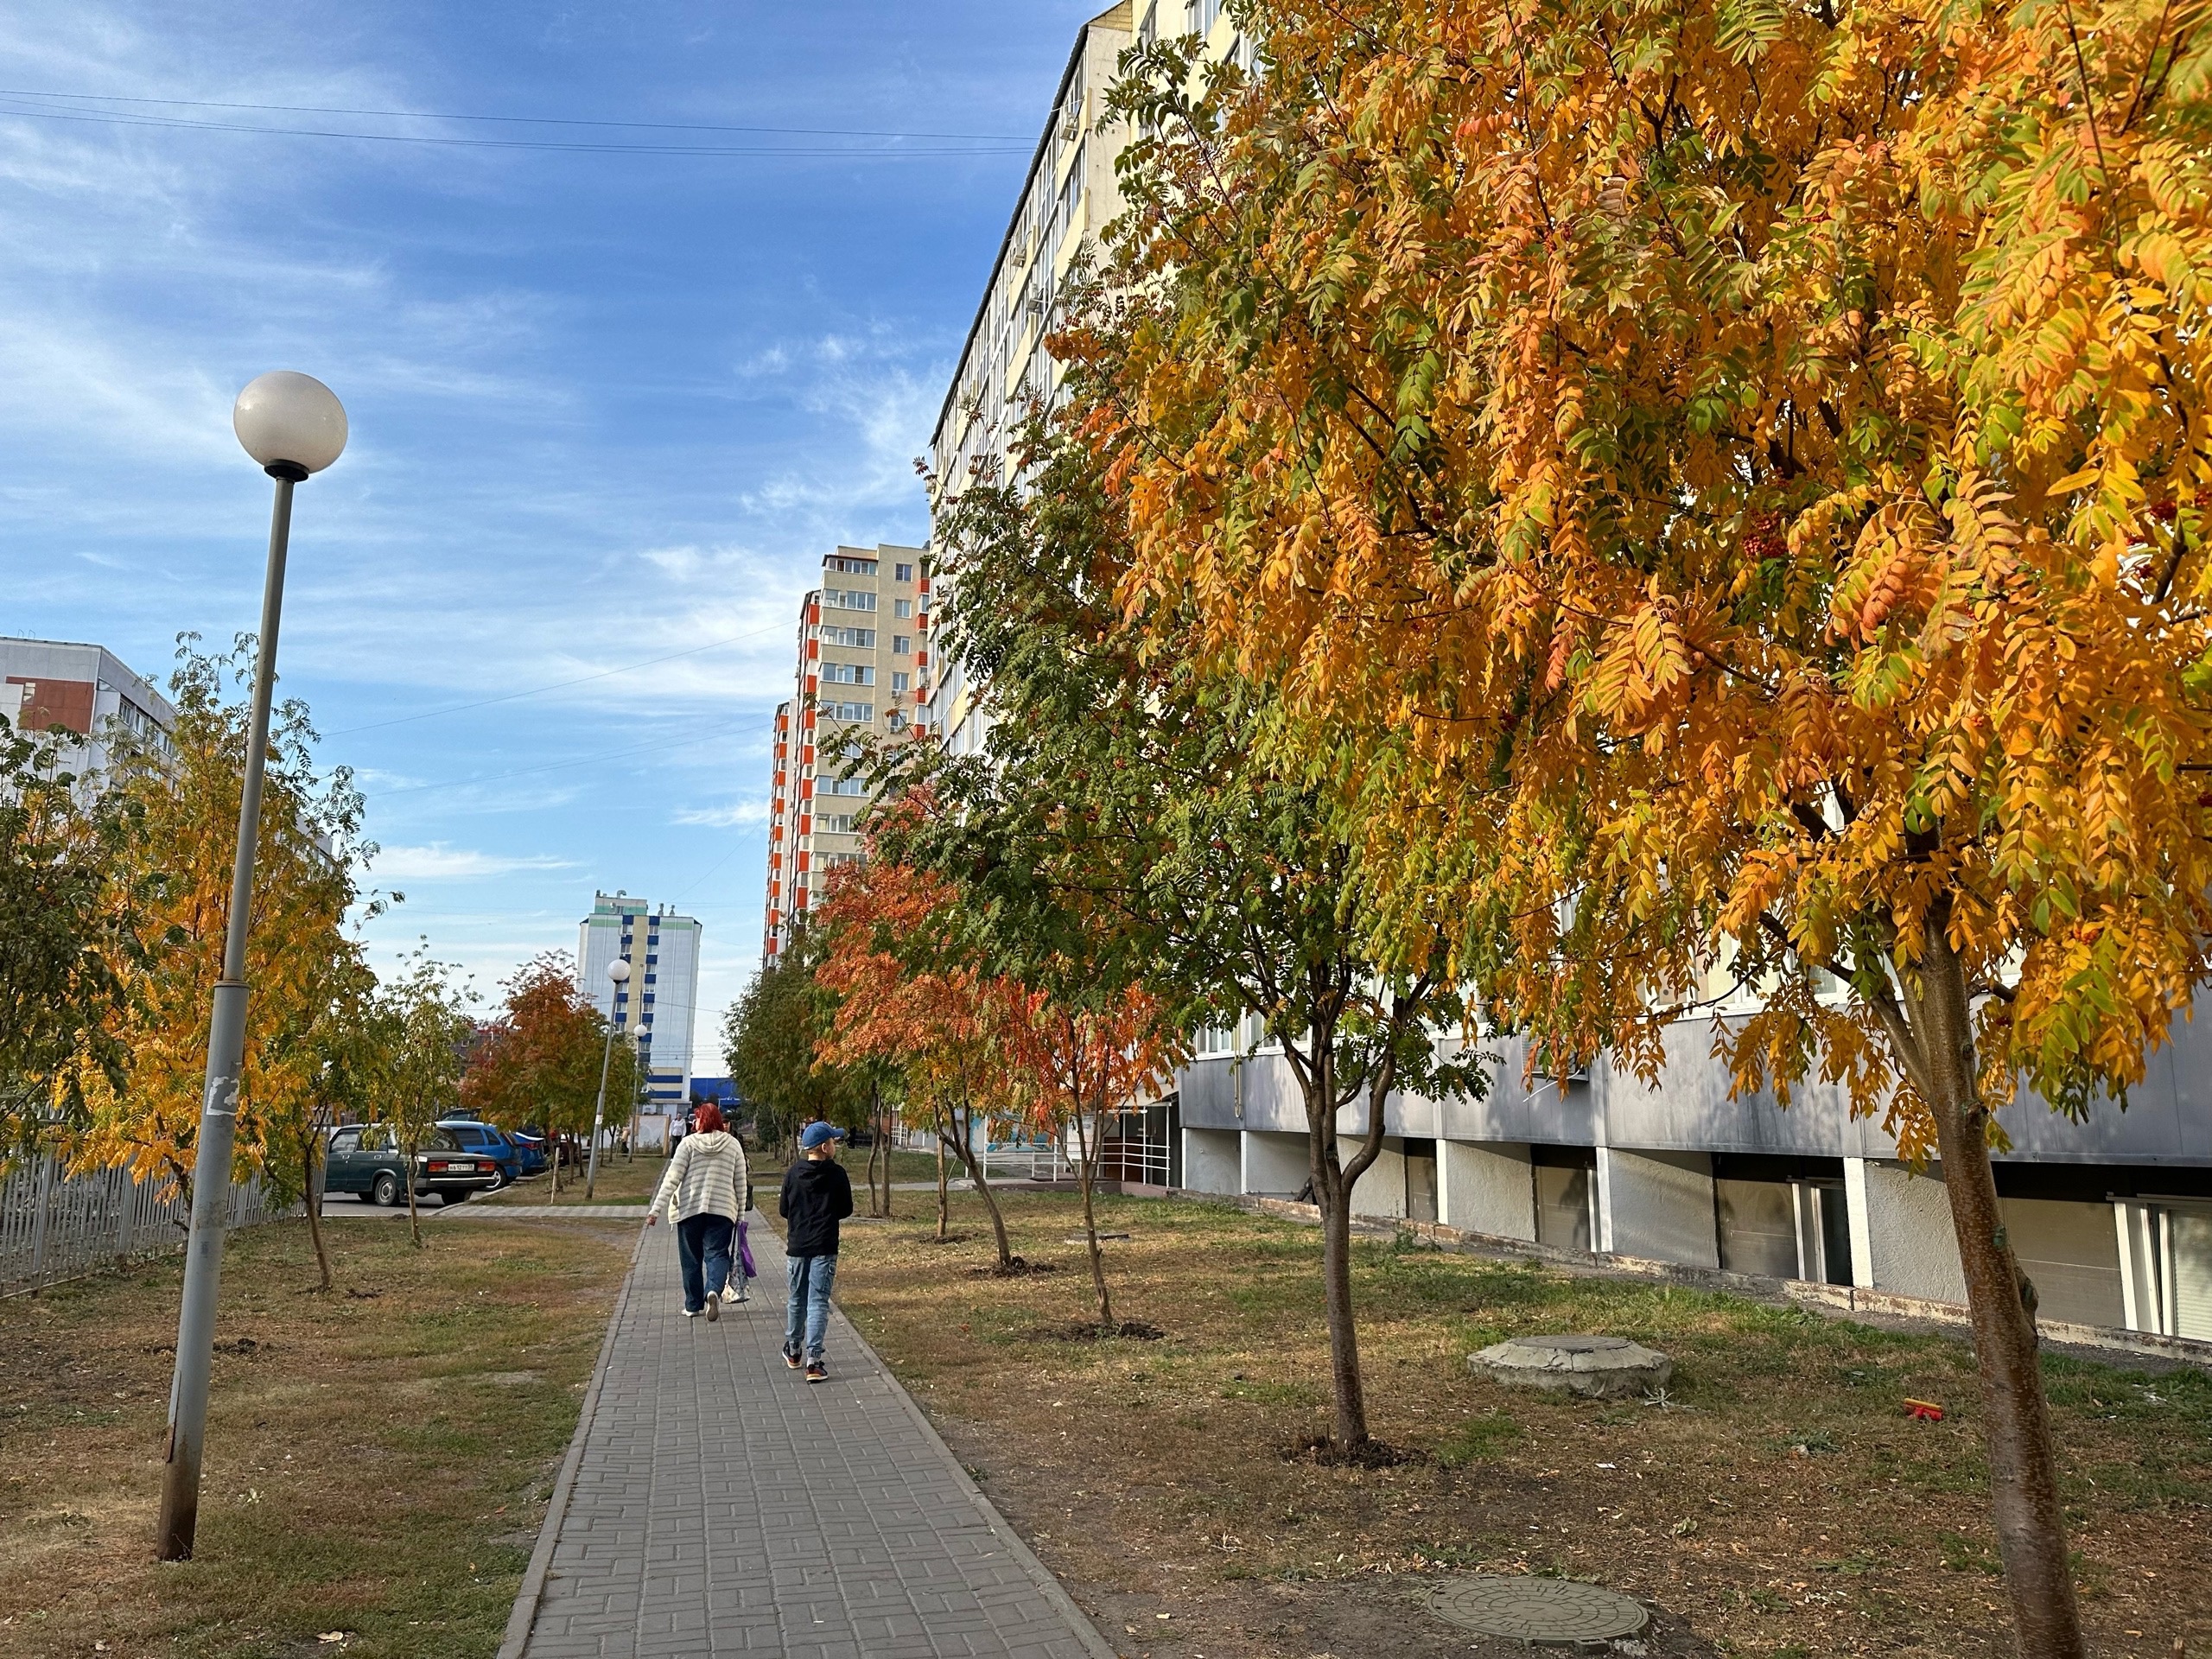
<point>517,120</point>
<point>788,150</point>
<point>561,685</point>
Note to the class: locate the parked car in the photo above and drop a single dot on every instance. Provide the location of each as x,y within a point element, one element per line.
<point>487,1140</point>
<point>366,1159</point>
<point>530,1148</point>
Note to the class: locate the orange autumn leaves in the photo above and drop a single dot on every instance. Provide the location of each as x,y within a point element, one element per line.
<point>1723,485</point>
<point>964,1039</point>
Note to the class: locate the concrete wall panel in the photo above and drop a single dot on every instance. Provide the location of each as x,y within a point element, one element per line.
<point>1657,1205</point>
<point>1212,1161</point>
<point>1275,1165</point>
<point>1486,1187</point>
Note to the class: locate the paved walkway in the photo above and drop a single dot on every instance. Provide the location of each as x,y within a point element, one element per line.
<point>715,1504</point>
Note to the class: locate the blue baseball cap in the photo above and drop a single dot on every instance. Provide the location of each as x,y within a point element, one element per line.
<point>817,1135</point>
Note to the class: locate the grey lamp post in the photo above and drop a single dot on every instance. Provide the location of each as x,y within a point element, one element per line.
<point>294,426</point>
<point>619,971</point>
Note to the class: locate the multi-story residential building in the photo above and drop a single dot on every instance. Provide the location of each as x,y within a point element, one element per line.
<point>658,1007</point>
<point>1067,197</point>
<point>85,690</point>
<point>861,657</point>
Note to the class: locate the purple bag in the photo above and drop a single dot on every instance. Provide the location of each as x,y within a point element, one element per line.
<point>744,1252</point>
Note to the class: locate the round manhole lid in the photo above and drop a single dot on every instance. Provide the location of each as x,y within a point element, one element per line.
<point>1534,1610</point>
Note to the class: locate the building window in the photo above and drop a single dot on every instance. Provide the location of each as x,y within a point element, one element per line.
<point>858,712</point>
<point>1201,14</point>
<point>1070,198</point>
<point>901,608</point>
<point>902,646</point>
<point>844,786</point>
<point>847,674</point>
<point>851,567</point>
<point>901,680</point>
<point>836,823</point>
<point>848,599</point>
<point>1148,30</point>
<point>854,638</point>
<point>903,572</point>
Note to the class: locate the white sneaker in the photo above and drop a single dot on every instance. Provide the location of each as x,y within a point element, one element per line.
<point>691,1313</point>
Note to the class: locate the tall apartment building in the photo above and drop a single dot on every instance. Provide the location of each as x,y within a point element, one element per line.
<point>658,1007</point>
<point>861,660</point>
<point>1067,197</point>
<point>86,691</point>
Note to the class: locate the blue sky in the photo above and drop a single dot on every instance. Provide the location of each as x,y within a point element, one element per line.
<point>606,407</point>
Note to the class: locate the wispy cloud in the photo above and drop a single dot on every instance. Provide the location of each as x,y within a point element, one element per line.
<point>439,862</point>
<point>724,818</point>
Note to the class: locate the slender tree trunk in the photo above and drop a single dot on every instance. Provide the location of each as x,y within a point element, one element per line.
<point>944,1198</point>
<point>553,1148</point>
<point>1086,1149</point>
<point>309,1164</point>
<point>2022,1463</point>
<point>975,1166</point>
<point>414,1220</point>
<point>1332,1191</point>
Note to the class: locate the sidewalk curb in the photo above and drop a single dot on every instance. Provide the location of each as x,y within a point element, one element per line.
<point>524,1614</point>
<point>1077,1621</point>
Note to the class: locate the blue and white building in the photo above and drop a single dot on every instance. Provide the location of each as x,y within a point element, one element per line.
<point>658,1008</point>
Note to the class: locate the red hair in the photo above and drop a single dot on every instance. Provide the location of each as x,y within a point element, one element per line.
<point>706,1119</point>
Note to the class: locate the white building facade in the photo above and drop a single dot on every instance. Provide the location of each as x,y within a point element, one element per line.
<point>85,690</point>
<point>658,1007</point>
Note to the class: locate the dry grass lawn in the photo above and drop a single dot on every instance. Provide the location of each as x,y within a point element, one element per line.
<point>377,1463</point>
<point>1778,1501</point>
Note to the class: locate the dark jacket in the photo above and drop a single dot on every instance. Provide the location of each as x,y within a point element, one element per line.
<point>818,1194</point>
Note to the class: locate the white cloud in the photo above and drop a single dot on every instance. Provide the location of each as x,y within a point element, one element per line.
<point>727,816</point>
<point>440,861</point>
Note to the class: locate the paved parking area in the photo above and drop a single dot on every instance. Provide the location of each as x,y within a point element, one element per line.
<point>717,1503</point>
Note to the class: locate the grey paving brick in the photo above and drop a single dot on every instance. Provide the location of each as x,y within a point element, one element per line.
<point>724,1506</point>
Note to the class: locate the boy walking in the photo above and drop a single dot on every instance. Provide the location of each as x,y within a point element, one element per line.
<point>818,1194</point>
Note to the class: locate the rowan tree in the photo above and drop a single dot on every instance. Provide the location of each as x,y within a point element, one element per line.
<point>1073,1065</point>
<point>72,937</point>
<point>182,798</point>
<point>419,1031</point>
<point>537,1062</point>
<point>1720,490</point>
<point>907,995</point>
<point>1123,829</point>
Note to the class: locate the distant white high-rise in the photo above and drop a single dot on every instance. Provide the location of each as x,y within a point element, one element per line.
<point>661,999</point>
<point>87,691</point>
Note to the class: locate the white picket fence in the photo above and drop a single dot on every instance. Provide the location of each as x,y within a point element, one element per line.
<point>54,1226</point>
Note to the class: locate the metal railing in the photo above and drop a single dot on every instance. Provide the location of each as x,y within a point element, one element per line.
<point>54,1226</point>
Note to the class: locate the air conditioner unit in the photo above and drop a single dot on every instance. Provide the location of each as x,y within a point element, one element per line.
<point>1070,129</point>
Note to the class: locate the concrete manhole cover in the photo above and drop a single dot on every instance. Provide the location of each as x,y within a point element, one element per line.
<point>1534,1610</point>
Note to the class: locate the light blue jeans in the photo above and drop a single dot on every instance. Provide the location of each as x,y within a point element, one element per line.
<point>809,1312</point>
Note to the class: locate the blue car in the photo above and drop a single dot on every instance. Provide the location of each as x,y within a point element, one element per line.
<point>532,1149</point>
<point>489,1142</point>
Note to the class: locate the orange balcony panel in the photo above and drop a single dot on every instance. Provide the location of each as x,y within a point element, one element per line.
<point>803,859</point>
<point>813,651</point>
<point>806,789</point>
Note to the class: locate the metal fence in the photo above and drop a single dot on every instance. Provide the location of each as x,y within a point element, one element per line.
<point>54,1226</point>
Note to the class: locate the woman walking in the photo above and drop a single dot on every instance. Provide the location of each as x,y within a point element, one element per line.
<point>703,1192</point>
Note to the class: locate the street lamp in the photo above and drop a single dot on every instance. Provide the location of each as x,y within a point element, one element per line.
<point>294,426</point>
<point>619,971</point>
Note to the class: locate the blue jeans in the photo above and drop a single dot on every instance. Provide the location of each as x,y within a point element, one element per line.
<point>811,1278</point>
<point>702,1246</point>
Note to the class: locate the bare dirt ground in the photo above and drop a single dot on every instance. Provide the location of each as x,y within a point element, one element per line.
<point>379,1458</point>
<point>1777,1501</point>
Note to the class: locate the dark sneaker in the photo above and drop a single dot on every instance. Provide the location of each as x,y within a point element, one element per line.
<point>713,1309</point>
<point>790,1359</point>
<point>817,1372</point>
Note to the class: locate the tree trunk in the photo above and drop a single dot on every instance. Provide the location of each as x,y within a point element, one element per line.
<point>1086,1150</point>
<point>2022,1463</point>
<point>553,1151</point>
<point>944,1198</point>
<point>309,1164</point>
<point>414,1220</point>
<point>975,1166</point>
<point>1333,1190</point>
